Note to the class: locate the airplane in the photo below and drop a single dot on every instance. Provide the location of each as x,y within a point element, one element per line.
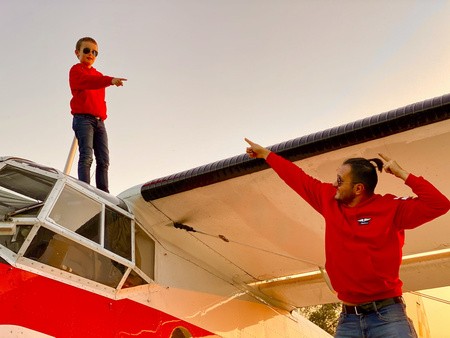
<point>221,250</point>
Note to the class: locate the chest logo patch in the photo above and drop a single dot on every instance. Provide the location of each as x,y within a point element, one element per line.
<point>364,221</point>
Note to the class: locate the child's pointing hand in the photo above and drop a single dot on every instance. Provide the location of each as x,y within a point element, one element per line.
<point>117,81</point>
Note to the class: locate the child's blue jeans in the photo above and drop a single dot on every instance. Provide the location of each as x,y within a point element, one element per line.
<point>92,139</point>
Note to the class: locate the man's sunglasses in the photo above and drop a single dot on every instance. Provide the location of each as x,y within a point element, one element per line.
<point>87,51</point>
<point>340,182</point>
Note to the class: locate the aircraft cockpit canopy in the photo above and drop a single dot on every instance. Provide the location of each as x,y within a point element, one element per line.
<point>54,225</point>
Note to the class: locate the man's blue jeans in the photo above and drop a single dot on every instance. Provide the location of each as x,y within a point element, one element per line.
<point>388,322</point>
<point>92,139</point>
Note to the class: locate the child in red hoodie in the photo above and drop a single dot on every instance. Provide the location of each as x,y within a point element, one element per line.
<point>88,108</point>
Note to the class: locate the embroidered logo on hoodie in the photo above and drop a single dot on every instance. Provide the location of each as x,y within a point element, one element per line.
<point>364,221</point>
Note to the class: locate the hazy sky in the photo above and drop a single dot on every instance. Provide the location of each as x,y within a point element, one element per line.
<point>204,74</point>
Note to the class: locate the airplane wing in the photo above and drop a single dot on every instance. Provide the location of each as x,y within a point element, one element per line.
<point>236,218</point>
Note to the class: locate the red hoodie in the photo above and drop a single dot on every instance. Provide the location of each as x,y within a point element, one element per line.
<point>88,90</point>
<point>364,243</point>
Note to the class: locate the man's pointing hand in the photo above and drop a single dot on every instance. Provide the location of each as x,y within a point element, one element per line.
<point>256,151</point>
<point>393,168</point>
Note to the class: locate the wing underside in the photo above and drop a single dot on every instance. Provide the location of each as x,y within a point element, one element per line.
<point>254,229</point>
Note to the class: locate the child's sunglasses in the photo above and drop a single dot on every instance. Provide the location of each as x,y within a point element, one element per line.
<point>87,51</point>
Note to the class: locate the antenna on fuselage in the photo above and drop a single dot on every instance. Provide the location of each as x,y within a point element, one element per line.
<point>71,156</point>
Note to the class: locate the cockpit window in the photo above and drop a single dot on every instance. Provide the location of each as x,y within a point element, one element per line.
<point>22,192</point>
<point>78,213</point>
<point>133,279</point>
<point>60,252</point>
<point>144,252</point>
<point>83,215</point>
<point>118,233</point>
<point>14,242</point>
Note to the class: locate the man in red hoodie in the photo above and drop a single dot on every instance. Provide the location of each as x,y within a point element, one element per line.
<point>364,237</point>
<point>88,108</point>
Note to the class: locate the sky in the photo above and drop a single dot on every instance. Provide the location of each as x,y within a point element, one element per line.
<point>205,74</point>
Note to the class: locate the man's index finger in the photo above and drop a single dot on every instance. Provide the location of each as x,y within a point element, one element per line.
<point>384,157</point>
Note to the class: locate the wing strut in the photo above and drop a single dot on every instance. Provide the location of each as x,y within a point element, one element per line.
<point>71,156</point>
